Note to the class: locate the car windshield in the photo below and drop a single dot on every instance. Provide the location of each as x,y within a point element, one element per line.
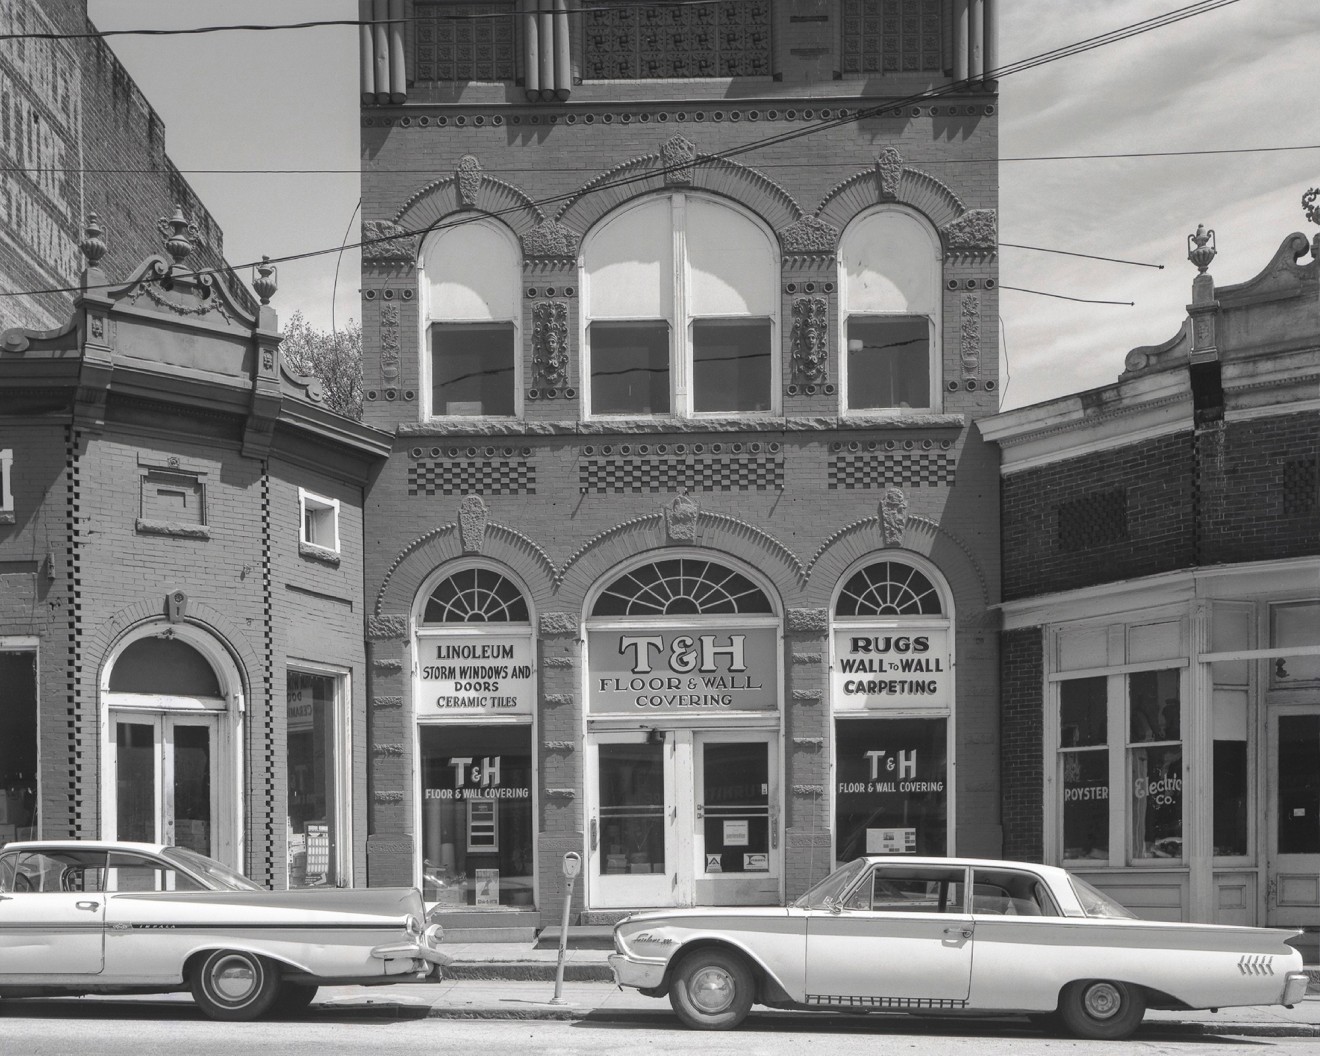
<point>215,875</point>
<point>1096,903</point>
<point>831,890</point>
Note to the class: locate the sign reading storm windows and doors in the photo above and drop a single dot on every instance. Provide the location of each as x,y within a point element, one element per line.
<point>473,693</point>
<point>892,694</point>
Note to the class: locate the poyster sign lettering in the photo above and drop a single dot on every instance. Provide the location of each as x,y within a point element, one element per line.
<point>891,668</point>
<point>649,672</point>
<point>486,675</point>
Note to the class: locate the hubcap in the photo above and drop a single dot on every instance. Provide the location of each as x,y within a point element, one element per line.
<point>1103,1001</point>
<point>234,979</point>
<point>711,989</point>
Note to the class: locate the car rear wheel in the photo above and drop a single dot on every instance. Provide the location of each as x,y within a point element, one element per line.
<point>1098,1008</point>
<point>293,999</point>
<point>712,990</point>
<point>234,984</point>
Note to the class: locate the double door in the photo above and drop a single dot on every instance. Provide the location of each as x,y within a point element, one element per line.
<point>684,817</point>
<point>164,775</point>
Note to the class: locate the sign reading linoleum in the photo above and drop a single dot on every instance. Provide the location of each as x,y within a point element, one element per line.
<point>469,675</point>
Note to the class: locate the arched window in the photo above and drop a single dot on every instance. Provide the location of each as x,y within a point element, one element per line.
<point>682,587</point>
<point>470,284</point>
<point>164,666</point>
<point>889,270</point>
<point>475,595</point>
<point>680,302</point>
<point>888,588</point>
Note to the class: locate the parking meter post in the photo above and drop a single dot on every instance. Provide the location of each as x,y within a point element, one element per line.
<point>572,864</point>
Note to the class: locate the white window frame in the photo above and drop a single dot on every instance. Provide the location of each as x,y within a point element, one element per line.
<point>426,318</point>
<point>308,500</point>
<point>6,480</point>
<point>343,761</point>
<point>681,320</point>
<point>934,320</point>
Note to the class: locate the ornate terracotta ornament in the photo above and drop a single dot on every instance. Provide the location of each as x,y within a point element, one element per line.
<point>469,179</point>
<point>888,171</point>
<point>93,243</point>
<point>810,340</point>
<point>678,154</point>
<point>1201,248</point>
<point>681,519</point>
<point>472,518</point>
<point>266,280</point>
<point>976,231</point>
<point>969,318</point>
<point>550,342</point>
<point>179,234</point>
<point>893,516</point>
<point>385,242</point>
<point>809,235</point>
<point>549,239</point>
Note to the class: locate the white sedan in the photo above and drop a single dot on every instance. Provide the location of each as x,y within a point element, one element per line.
<point>948,935</point>
<point>79,917</point>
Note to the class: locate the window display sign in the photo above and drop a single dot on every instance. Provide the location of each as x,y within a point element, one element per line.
<point>474,675</point>
<point>892,792</point>
<point>675,671</point>
<point>891,668</point>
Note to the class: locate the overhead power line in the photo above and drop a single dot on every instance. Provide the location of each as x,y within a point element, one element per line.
<point>847,116</point>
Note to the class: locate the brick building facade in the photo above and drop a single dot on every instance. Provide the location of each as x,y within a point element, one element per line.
<point>1161,579</point>
<point>685,554</point>
<point>78,137</point>
<point>180,580</point>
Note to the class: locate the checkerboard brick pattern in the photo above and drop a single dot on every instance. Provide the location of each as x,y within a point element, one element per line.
<point>881,470</point>
<point>505,477</point>
<point>624,476</point>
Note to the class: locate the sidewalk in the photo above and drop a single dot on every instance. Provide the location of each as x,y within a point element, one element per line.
<point>512,981</point>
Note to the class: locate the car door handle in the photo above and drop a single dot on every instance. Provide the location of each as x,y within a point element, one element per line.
<point>92,906</point>
<point>962,932</point>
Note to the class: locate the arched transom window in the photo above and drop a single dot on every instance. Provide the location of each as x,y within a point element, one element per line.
<point>682,586</point>
<point>475,595</point>
<point>888,588</point>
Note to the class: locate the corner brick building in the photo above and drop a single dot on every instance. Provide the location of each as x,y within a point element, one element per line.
<point>1161,583</point>
<point>685,553</point>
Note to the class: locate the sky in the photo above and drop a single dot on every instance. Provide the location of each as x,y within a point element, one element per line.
<point>1240,78</point>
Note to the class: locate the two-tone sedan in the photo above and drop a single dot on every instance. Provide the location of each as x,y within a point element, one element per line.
<point>80,917</point>
<point>947,935</point>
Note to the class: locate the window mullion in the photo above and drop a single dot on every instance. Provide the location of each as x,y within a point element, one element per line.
<point>1116,692</point>
<point>680,336</point>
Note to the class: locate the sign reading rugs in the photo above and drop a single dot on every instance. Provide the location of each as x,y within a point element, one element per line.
<point>655,672</point>
<point>893,668</point>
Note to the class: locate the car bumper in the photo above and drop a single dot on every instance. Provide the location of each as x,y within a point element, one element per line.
<point>643,975</point>
<point>1294,988</point>
<point>423,948</point>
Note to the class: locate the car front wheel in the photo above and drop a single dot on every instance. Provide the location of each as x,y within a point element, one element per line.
<point>1097,1008</point>
<point>233,984</point>
<point>712,990</point>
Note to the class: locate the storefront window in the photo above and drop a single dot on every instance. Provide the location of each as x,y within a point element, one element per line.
<point>1230,777</point>
<point>476,815</point>
<point>18,745</point>
<point>1296,623</point>
<point>1084,757</point>
<point>1155,711</point>
<point>892,787</point>
<point>314,800</point>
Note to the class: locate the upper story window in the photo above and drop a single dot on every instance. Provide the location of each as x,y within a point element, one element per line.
<point>470,284</point>
<point>475,595</point>
<point>889,269</point>
<point>899,36</point>
<point>682,586</point>
<point>888,588</point>
<point>626,41</point>
<point>680,304</point>
<point>320,520</point>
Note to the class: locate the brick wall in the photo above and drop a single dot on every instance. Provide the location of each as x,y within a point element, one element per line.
<point>1021,718</point>
<point>1154,480</point>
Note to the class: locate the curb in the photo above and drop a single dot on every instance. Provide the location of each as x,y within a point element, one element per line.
<point>527,971</point>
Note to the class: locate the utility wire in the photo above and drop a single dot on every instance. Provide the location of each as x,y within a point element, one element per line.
<point>1064,297</point>
<point>847,117</point>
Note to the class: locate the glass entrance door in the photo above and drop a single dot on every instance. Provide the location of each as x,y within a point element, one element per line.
<point>632,842</point>
<point>1293,884</point>
<point>164,779</point>
<point>736,824</point>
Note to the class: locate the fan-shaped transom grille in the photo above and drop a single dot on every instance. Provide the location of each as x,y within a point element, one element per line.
<point>682,587</point>
<point>888,588</point>
<point>475,595</point>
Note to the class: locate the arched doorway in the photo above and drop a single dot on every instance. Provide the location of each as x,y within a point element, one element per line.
<point>172,707</point>
<point>684,753</point>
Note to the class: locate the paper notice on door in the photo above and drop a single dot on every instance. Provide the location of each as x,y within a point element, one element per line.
<point>488,887</point>
<point>713,864</point>
<point>735,833</point>
<point>756,863</point>
<point>891,841</point>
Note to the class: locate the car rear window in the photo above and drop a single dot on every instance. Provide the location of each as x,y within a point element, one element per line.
<point>1095,903</point>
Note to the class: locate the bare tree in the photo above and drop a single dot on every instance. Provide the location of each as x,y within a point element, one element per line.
<point>335,358</point>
